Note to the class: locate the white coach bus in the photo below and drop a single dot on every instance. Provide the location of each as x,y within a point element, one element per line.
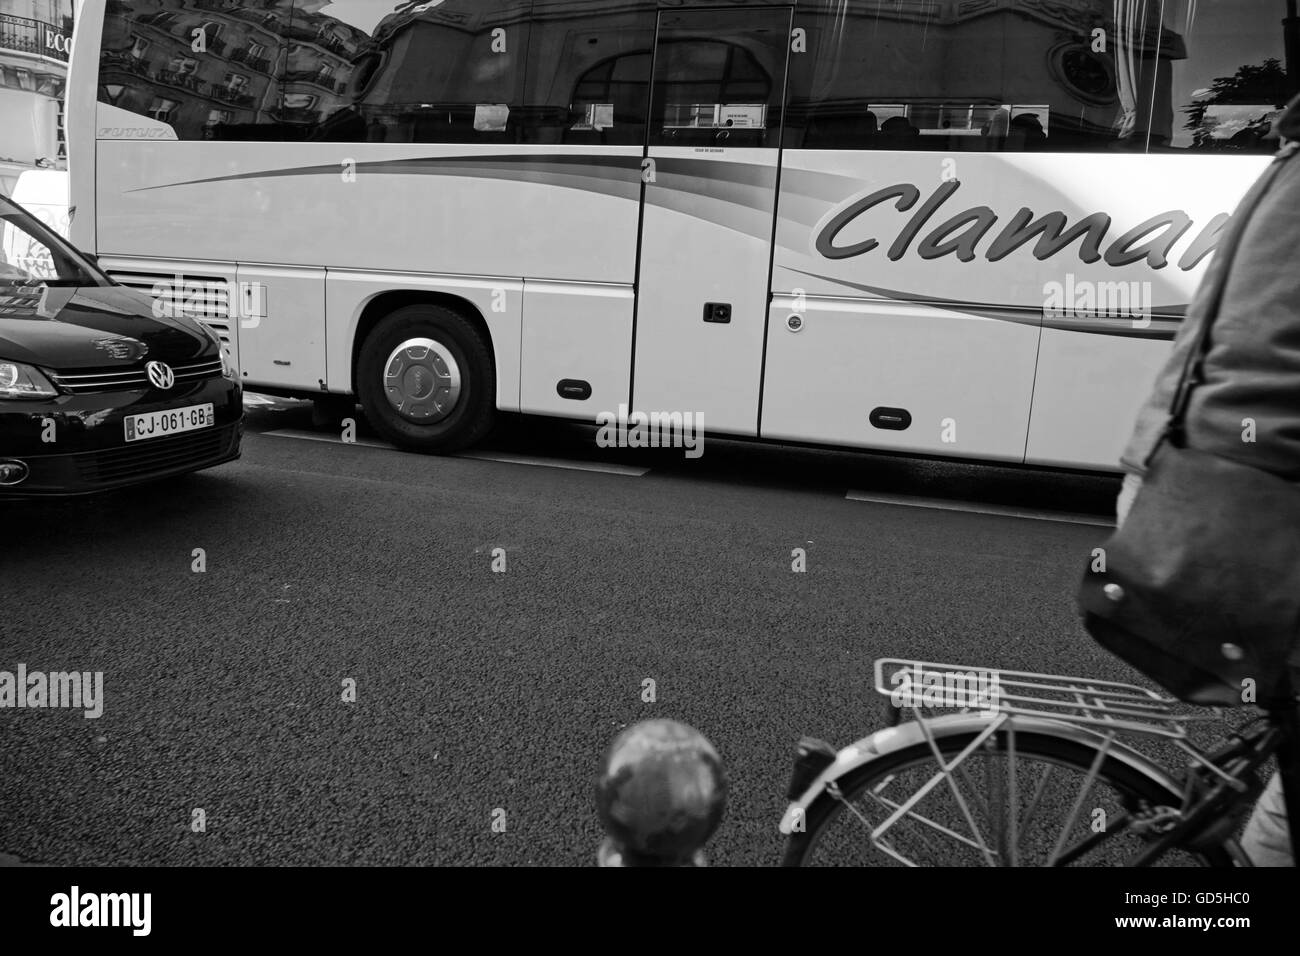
<point>962,228</point>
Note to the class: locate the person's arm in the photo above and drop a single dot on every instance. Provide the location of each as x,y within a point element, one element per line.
<point>1253,373</point>
<point>1127,492</point>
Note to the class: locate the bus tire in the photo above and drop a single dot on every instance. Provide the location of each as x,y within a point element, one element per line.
<point>426,381</point>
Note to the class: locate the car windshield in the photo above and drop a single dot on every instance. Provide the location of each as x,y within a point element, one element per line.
<point>30,254</point>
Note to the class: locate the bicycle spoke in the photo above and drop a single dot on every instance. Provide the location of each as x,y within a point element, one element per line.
<point>877,796</point>
<point>1038,796</point>
<point>978,800</point>
<point>1012,797</point>
<point>945,770</point>
<point>835,792</point>
<point>889,804</point>
<point>1068,826</point>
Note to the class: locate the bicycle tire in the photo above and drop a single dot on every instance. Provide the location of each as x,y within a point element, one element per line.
<point>1132,788</point>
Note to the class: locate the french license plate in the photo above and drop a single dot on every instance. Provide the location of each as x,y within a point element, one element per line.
<point>172,421</point>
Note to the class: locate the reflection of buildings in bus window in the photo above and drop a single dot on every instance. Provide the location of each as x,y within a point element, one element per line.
<point>390,70</point>
<point>1228,125</point>
<point>1233,76</point>
<point>958,66</point>
<point>185,63</point>
<point>620,80</point>
<point>279,64</point>
<point>320,54</point>
<point>487,70</point>
<point>1100,73</point>
<point>443,73</point>
<point>35,37</point>
<point>502,70</point>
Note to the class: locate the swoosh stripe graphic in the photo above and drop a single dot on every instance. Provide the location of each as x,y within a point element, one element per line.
<point>741,201</point>
<point>735,196</point>
<point>738,199</point>
<point>606,174</point>
<point>600,167</point>
<point>1163,325</point>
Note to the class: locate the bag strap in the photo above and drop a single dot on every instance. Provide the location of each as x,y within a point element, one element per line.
<point>1199,348</point>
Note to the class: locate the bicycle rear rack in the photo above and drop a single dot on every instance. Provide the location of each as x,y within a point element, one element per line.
<point>1108,706</point>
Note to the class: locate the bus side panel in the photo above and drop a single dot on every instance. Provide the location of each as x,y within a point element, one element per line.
<point>975,254</point>
<point>282,314</point>
<point>485,217</point>
<point>894,334</point>
<point>498,301</point>
<point>555,212</point>
<point>1105,341</point>
<point>575,332</point>
<point>963,381</point>
<point>1089,390</point>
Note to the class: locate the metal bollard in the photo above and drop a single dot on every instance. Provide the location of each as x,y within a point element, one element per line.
<point>660,795</point>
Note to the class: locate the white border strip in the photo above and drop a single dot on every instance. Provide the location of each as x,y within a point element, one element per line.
<point>970,507</point>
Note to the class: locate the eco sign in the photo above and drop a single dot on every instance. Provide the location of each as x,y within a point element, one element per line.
<point>54,44</point>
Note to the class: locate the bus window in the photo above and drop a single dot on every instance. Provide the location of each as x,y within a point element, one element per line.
<point>430,73</point>
<point>714,91</point>
<point>1228,77</point>
<point>207,70</point>
<point>1019,76</point>
<point>589,72</point>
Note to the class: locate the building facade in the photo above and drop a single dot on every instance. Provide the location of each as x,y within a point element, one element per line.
<point>35,40</point>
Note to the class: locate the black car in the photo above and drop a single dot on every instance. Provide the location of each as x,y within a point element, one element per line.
<point>97,390</point>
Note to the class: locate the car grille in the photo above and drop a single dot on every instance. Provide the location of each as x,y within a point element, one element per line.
<point>81,383</point>
<point>155,456</point>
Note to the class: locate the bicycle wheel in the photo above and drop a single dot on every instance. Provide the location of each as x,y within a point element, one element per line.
<point>1036,802</point>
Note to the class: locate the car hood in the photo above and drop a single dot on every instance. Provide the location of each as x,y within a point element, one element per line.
<point>93,327</point>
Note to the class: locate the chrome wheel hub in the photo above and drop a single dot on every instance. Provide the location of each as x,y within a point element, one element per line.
<point>422,381</point>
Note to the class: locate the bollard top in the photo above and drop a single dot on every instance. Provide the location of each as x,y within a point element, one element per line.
<point>661,793</point>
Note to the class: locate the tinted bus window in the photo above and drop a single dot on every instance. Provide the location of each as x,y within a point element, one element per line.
<point>207,68</point>
<point>1015,76</point>
<point>718,78</point>
<point>320,51</point>
<point>1227,77</point>
<point>589,71</point>
<point>450,72</point>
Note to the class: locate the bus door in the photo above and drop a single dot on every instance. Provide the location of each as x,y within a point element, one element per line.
<point>710,176</point>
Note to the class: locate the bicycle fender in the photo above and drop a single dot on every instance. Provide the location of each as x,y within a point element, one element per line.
<point>891,739</point>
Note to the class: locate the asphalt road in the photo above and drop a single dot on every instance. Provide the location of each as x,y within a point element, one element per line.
<point>476,690</point>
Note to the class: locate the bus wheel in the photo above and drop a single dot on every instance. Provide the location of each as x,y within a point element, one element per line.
<point>425,379</point>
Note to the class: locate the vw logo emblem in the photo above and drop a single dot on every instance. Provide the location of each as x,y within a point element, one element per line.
<point>161,375</point>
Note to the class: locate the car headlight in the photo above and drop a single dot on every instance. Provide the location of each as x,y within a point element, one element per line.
<point>23,381</point>
<point>227,365</point>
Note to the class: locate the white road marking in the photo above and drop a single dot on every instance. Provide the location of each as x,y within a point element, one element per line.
<point>502,457</point>
<point>328,439</point>
<point>970,507</point>
<point>632,471</point>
